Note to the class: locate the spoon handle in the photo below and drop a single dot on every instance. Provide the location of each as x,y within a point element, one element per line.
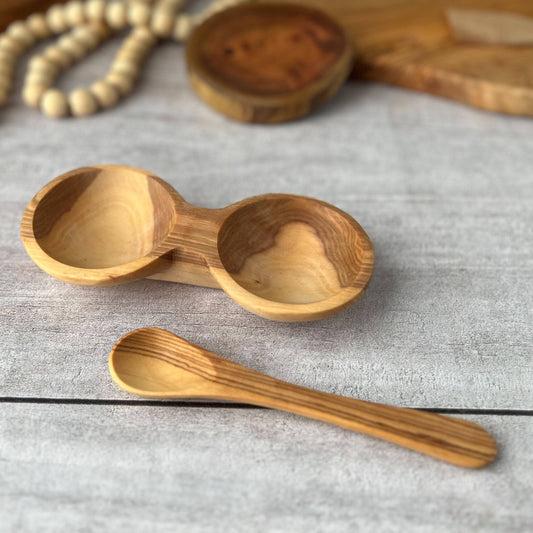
<point>456,441</point>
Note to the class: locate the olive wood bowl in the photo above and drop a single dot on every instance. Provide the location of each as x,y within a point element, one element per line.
<point>281,256</point>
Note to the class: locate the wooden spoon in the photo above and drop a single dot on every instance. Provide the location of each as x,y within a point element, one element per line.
<point>281,256</point>
<point>268,62</point>
<point>155,363</point>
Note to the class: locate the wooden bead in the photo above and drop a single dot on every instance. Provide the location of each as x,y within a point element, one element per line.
<point>162,22</point>
<point>139,13</point>
<point>100,29</point>
<point>143,35</point>
<point>136,47</point>
<point>106,95</point>
<point>130,54</point>
<point>82,103</point>
<point>42,64</point>
<point>95,10</point>
<point>54,103</point>
<point>32,93</point>
<point>131,68</point>
<point>87,37</point>
<point>55,17</point>
<point>10,44</point>
<point>122,82</point>
<point>58,56</point>
<point>115,15</point>
<point>38,26</point>
<point>72,46</point>
<point>35,77</point>
<point>75,13</point>
<point>20,32</point>
<point>182,28</point>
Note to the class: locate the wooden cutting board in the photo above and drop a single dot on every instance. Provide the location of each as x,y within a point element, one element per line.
<point>409,43</point>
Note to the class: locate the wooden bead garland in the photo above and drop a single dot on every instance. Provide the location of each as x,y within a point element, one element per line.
<point>82,26</point>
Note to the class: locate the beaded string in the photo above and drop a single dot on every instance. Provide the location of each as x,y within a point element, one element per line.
<point>83,26</point>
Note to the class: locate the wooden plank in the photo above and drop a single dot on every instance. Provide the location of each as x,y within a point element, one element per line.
<point>443,191</point>
<point>116,468</point>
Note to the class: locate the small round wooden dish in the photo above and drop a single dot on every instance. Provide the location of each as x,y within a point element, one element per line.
<point>268,62</point>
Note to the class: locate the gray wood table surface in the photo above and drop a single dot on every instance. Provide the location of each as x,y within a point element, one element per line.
<point>445,192</point>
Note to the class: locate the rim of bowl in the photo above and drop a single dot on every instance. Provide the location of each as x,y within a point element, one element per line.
<point>130,270</point>
<point>291,312</point>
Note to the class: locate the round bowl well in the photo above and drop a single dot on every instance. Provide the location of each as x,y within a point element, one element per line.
<point>97,218</point>
<point>295,250</point>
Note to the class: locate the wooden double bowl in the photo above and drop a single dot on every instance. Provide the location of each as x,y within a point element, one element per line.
<point>281,256</point>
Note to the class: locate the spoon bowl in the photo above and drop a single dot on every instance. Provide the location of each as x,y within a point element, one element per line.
<point>155,363</point>
<point>284,257</point>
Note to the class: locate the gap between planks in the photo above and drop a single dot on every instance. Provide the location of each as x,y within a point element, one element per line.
<point>230,405</point>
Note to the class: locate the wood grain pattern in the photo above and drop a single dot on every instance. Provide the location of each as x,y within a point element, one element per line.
<point>409,43</point>
<point>283,257</point>
<point>155,363</point>
<point>268,63</point>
